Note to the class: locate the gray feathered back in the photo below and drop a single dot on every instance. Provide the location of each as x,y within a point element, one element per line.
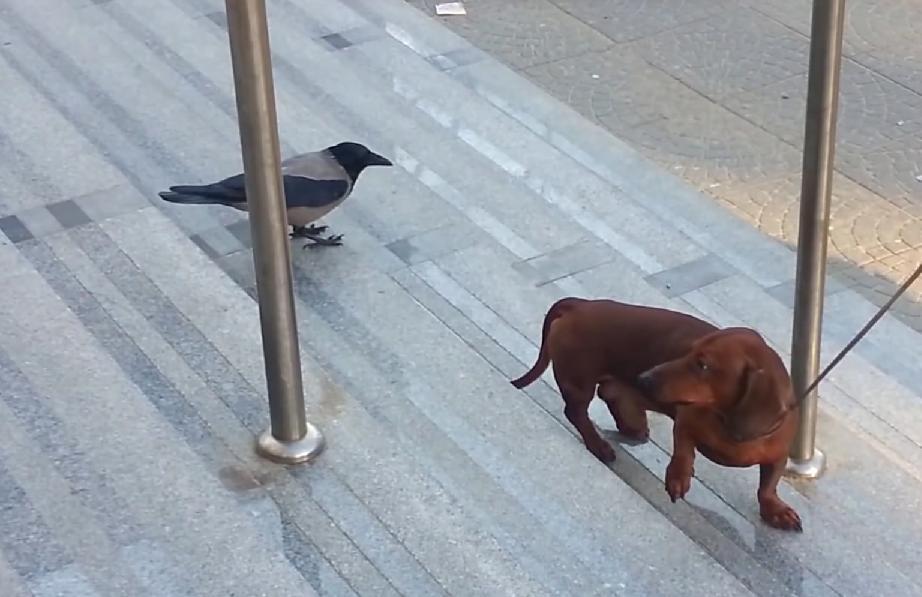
<point>319,165</point>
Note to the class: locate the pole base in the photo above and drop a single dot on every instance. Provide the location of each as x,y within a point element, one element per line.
<point>812,468</point>
<point>295,452</point>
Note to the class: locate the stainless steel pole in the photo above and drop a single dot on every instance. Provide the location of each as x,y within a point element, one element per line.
<point>816,190</point>
<point>291,439</point>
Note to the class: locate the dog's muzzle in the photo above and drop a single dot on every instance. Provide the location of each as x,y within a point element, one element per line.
<point>646,381</point>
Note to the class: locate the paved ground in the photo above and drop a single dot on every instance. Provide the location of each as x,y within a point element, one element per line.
<point>131,381</point>
<point>714,90</point>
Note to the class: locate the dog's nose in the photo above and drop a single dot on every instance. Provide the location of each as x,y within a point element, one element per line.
<point>645,381</point>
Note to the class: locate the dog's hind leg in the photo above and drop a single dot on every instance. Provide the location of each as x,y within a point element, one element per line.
<point>576,399</point>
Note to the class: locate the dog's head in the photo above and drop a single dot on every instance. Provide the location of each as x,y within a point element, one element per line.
<point>732,371</point>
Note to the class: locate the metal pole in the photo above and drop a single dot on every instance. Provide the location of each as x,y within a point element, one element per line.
<point>816,189</point>
<point>291,439</point>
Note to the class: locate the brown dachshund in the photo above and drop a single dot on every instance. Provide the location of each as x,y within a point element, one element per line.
<point>726,390</point>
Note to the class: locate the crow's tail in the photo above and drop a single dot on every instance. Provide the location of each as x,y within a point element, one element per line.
<point>198,195</point>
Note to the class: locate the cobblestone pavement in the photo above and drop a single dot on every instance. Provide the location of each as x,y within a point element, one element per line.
<point>715,90</point>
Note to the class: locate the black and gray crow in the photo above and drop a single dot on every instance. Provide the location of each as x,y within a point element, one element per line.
<point>314,183</point>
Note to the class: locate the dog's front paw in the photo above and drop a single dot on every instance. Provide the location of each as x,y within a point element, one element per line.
<point>678,480</point>
<point>779,515</point>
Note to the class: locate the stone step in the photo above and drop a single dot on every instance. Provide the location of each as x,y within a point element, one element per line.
<point>144,480</point>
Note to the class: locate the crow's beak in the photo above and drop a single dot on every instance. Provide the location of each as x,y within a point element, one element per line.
<point>378,160</point>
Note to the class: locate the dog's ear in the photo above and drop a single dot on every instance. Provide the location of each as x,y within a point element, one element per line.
<point>760,407</point>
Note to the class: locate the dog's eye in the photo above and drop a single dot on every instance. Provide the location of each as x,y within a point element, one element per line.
<point>702,366</point>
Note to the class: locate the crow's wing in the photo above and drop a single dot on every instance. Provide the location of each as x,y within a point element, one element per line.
<point>299,190</point>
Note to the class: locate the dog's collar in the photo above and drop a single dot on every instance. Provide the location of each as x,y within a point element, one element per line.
<point>775,426</point>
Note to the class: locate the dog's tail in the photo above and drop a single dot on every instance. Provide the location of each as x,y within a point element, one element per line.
<point>544,359</point>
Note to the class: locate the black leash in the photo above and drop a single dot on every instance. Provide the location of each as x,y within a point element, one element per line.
<point>861,334</point>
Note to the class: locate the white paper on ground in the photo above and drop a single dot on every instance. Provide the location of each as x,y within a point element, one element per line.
<point>450,8</point>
